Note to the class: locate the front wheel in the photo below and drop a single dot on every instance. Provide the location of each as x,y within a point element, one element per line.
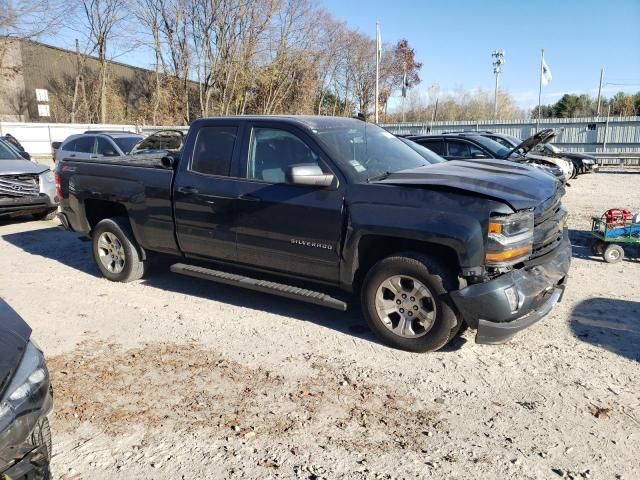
<point>613,253</point>
<point>406,303</point>
<point>116,251</point>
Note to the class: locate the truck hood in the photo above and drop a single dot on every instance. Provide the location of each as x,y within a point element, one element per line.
<point>14,335</point>
<point>18,167</point>
<point>520,186</point>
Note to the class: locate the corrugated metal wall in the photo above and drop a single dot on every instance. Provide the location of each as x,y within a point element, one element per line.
<point>620,134</point>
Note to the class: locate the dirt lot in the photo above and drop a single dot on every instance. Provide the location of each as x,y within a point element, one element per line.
<point>172,377</point>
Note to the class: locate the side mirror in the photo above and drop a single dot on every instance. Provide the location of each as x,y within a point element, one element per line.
<point>308,175</point>
<point>168,161</point>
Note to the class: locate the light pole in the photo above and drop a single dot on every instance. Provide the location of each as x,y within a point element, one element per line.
<point>498,61</point>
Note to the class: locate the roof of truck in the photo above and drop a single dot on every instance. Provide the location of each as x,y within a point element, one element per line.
<point>310,121</point>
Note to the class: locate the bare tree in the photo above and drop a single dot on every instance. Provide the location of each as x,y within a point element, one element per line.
<point>103,21</point>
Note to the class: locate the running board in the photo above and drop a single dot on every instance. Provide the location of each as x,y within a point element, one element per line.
<point>280,289</point>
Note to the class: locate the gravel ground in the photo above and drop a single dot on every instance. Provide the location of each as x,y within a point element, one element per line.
<point>172,377</point>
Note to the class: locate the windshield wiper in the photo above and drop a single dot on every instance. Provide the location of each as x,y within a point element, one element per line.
<point>376,178</point>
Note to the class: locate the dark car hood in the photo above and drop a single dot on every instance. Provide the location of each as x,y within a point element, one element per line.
<point>14,335</point>
<point>520,186</point>
<point>17,167</point>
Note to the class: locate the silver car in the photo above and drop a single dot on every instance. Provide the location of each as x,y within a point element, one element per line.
<point>97,144</point>
<point>26,187</point>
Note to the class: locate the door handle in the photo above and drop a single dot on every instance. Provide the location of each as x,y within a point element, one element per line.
<point>188,190</point>
<point>249,198</point>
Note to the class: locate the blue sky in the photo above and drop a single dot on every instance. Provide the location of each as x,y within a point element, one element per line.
<point>454,41</point>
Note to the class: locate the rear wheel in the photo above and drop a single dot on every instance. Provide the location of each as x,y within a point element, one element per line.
<point>613,253</point>
<point>597,247</point>
<point>116,251</point>
<point>405,301</point>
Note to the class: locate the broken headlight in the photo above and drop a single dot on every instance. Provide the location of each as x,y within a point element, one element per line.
<point>28,387</point>
<point>509,239</point>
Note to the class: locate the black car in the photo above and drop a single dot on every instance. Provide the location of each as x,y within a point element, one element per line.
<point>339,204</point>
<point>475,146</point>
<point>26,400</point>
<point>583,162</point>
<point>424,152</point>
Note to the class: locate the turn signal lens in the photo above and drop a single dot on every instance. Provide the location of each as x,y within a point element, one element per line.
<point>509,239</point>
<point>507,255</point>
<point>495,227</point>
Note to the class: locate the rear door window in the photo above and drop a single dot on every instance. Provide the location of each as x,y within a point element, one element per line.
<point>213,151</point>
<point>84,144</point>
<point>458,149</point>
<point>434,145</point>
<point>69,146</point>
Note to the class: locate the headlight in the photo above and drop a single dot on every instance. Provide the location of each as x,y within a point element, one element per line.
<point>27,389</point>
<point>47,176</point>
<point>510,239</point>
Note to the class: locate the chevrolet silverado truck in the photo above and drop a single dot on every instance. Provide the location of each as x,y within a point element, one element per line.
<point>326,210</point>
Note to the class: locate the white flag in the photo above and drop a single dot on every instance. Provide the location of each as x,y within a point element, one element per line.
<point>546,73</point>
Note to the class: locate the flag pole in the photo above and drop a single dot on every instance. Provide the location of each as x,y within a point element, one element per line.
<point>377,68</point>
<point>540,93</point>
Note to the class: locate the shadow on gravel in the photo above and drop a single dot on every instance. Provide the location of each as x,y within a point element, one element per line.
<point>58,245</point>
<point>581,241</point>
<point>66,248</point>
<point>609,323</point>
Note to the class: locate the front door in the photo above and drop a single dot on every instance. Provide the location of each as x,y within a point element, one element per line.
<point>204,194</point>
<point>282,227</point>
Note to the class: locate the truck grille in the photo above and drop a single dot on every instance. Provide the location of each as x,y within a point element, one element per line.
<point>549,225</point>
<point>19,186</point>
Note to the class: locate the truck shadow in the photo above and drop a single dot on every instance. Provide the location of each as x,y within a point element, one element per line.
<point>609,323</point>
<point>66,248</point>
<point>56,244</point>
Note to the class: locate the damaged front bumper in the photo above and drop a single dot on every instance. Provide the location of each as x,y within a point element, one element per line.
<point>502,307</point>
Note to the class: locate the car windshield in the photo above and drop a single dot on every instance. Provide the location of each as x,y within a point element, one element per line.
<point>424,152</point>
<point>497,150</point>
<point>553,148</point>
<point>126,143</point>
<point>367,151</point>
<point>8,153</point>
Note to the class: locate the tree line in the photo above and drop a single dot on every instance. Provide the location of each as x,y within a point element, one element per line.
<point>572,106</point>
<point>215,57</point>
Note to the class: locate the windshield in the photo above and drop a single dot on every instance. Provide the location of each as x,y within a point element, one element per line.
<point>553,148</point>
<point>126,143</point>
<point>8,153</point>
<point>424,152</point>
<point>498,150</point>
<point>367,151</point>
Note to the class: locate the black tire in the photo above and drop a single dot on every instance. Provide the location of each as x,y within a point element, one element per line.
<point>437,279</point>
<point>597,247</point>
<point>41,437</point>
<point>48,215</point>
<point>613,253</point>
<point>134,266</point>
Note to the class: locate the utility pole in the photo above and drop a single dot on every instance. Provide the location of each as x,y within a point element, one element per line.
<point>378,55</point>
<point>600,91</point>
<point>498,56</point>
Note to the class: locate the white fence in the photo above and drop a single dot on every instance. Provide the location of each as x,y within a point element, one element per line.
<point>36,138</point>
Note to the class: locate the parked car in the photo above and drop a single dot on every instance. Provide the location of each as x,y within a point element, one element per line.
<point>582,162</point>
<point>340,204</point>
<point>26,187</point>
<point>25,402</point>
<point>93,145</point>
<point>473,146</point>
<point>161,142</point>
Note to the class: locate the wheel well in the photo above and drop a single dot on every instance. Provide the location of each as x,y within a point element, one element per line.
<point>96,210</point>
<point>372,248</point>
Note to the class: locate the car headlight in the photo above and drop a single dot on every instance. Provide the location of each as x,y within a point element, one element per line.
<point>509,239</point>
<point>27,389</point>
<point>47,176</point>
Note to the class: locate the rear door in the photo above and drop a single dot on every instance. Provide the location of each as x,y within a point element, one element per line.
<point>204,193</point>
<point>282,227</point>
<point>81,148</point>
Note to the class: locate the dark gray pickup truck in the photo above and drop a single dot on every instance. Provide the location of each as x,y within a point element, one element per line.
<point>341,205</point>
